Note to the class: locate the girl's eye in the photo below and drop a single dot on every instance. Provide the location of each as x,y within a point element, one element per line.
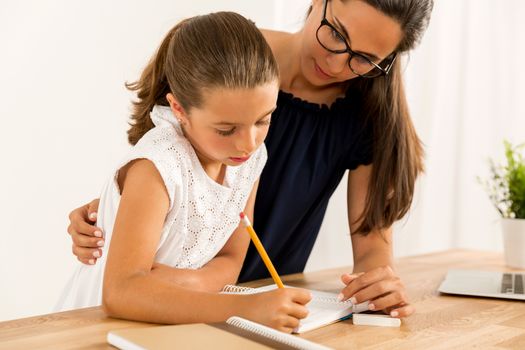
<point>264,122</point>
<point>225,132</point>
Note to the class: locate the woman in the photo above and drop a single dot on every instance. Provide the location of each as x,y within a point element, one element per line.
<point>341,106</point>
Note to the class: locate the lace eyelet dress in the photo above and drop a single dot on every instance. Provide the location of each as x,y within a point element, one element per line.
<point>202,213</point>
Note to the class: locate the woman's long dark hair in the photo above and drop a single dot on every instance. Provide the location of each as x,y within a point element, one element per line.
<point>397,150</point>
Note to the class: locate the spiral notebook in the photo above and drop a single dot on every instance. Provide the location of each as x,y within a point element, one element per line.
<point>235,333</point>
<point>324,308</point>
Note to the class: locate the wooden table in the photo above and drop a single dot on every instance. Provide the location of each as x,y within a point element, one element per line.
<point>440,322</point>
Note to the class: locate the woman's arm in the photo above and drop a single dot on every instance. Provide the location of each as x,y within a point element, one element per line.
<point>374,277</point>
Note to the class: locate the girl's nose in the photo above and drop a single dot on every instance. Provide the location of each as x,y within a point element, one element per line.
<point>248,141</point>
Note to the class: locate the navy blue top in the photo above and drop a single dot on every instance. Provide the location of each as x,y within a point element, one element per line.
<point>310,147</point>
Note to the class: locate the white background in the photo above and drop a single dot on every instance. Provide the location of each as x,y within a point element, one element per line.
<point>64,109</point>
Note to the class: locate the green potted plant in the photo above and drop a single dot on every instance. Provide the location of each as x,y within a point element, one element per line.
<point>506,190</point>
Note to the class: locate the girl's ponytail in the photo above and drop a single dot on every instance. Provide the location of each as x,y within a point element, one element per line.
<point>151,89</point>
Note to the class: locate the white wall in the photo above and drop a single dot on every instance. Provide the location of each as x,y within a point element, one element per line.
<point>63,115</point>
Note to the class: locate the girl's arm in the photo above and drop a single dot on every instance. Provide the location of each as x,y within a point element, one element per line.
<point>223,269</point>
<point>131,291</point>
<point>373,277</point>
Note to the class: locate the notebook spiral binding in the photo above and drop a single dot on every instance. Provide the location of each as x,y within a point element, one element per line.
<point>273,334</point>
<point>247,290</point>
<point>237,289</point>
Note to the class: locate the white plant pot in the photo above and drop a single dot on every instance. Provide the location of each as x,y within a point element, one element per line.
<point>514,242</point>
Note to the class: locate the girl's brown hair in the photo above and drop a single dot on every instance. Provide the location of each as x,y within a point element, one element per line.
<point>218,50</point>
<point>397,151</point>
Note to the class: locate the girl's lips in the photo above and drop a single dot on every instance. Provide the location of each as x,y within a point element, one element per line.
<point>240,159</point>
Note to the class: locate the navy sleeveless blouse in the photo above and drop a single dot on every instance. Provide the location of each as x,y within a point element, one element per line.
<point>310,147</point>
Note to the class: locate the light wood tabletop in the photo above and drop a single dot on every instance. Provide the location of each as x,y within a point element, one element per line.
<point>440,321</point>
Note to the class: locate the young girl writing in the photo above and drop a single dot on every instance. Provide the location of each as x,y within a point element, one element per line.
<point>203,111</point>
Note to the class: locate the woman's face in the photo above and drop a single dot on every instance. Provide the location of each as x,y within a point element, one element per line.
<point>366,30</point>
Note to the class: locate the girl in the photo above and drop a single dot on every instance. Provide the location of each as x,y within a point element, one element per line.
<point>203,111</point>
<point>341,106</point>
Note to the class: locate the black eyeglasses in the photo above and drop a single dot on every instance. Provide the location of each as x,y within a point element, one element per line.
<point>332,40</point>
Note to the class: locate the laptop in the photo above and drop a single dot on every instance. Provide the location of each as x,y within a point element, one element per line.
<point>507,285</point>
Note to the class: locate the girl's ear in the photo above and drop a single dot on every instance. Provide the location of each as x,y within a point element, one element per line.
<point>177,109</point>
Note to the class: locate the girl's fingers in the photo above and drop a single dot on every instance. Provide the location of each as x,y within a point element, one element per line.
<point>289,324</point>
<point>298,311</point>
<point>301,296</point>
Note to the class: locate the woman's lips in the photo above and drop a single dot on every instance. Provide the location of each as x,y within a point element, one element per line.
<point>321,73</point>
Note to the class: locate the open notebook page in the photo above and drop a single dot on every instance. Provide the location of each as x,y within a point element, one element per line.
<point>324,308</point>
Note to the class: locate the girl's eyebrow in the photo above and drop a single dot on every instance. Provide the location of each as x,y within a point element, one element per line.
<point>261,117</point>
<point>343,29</point>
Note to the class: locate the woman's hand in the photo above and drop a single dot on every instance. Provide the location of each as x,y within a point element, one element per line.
<point>381,287</point>
<point>87,238</point>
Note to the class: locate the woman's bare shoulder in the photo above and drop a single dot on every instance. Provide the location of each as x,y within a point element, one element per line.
<point>276,38</point>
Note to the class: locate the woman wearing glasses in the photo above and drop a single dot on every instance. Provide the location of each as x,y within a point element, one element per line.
<point>341,107</point>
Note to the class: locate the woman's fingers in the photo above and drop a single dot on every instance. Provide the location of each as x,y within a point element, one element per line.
<point>347,277</point>
<point>85,241</point>
<point>403,311</point>
<point>367,279</point>
<point>92,210</point>
<point>83,233</point>
<point>381,287</point>
<point>87,261</point>
<point>388,301</point>
<point>86,254</point>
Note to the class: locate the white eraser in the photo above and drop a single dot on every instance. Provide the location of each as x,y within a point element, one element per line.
<point>375,320</point>
<point>360,307</point>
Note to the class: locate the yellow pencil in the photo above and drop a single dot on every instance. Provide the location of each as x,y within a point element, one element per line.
<point>262,251</point>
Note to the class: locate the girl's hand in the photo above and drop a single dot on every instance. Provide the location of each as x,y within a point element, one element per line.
<point>87,238</point>
<point>381,287</point>
<point>280,309</point>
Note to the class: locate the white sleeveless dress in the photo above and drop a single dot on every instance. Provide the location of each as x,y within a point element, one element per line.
<point>202,213</point>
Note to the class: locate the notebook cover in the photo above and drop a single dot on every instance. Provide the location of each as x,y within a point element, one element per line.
<point>191,336</point>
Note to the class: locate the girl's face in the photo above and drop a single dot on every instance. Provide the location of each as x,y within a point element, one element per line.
<point>366,30</point>
<point>231,123</point>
